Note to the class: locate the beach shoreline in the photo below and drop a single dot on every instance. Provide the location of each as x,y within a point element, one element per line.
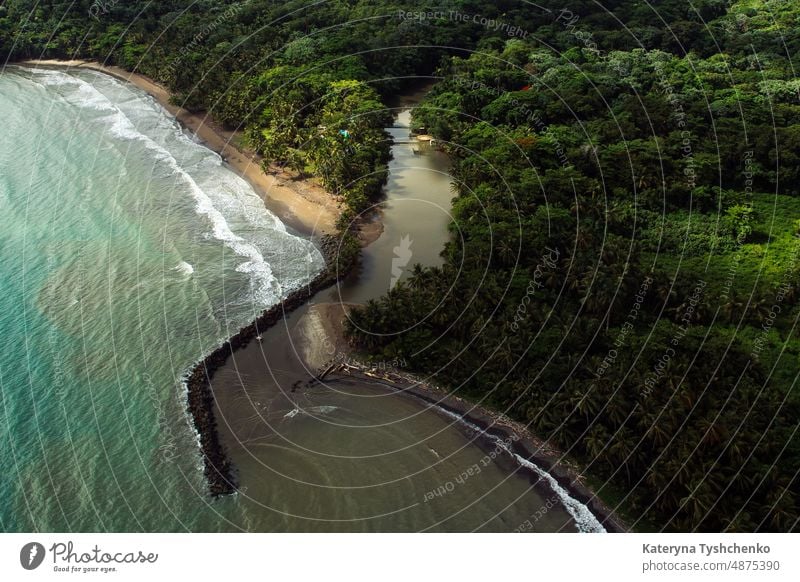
<point>301,204</point>
<point>495,426</point>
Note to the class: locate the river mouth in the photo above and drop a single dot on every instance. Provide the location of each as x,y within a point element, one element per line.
<point>353,456</point>
<point>122,317</point>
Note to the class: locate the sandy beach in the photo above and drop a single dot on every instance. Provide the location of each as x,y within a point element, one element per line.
<point>300,203</point>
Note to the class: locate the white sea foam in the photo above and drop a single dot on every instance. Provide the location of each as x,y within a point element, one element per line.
<point>323,409</point>
<point>236,214</point>
<point>313,410</point>
<point>184,268</point>
<point>584,518</point>
<point>221,195</point>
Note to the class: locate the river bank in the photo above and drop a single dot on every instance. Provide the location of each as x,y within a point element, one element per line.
<point>304,368</point>
<point>414,215</point>
<point>343,452</point>
<point>535,457</point>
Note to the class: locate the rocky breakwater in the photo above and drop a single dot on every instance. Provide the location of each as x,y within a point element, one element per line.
<point>219,471</point>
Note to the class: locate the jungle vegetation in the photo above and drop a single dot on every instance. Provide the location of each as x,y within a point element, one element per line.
<point>624,271</point>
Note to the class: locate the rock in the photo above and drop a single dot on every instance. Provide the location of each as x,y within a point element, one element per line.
<point>218,470</point>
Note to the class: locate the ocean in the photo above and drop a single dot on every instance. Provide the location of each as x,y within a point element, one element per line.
<point>127,252</point>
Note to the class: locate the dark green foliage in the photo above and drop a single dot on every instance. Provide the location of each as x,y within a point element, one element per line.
<point>626,220</point>
<point>291,75</point>
<point>611,282</point>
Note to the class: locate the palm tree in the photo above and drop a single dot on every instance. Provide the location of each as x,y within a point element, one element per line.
<point>418,279</point>
<point>586,402</point>
<point>596,442</point>
<point>665,293</point>
<point>617,410</point>
<point>698,501</point>
<point>714,433</point>
<point>505,252</point>
<point>759,310</point>
<point>654,429</point>
<point>733,307</point>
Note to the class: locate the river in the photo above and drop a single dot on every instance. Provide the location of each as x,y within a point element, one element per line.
<point>415,213</point>
<point>350,455</point>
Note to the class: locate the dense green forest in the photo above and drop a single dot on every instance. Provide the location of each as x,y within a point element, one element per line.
<point>624,265</point>
<point>624,271</point>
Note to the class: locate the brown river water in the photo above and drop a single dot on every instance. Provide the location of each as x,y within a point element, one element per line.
<point>350,455</point>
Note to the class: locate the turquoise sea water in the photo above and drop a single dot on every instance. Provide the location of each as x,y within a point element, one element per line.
<point>127,251</point>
